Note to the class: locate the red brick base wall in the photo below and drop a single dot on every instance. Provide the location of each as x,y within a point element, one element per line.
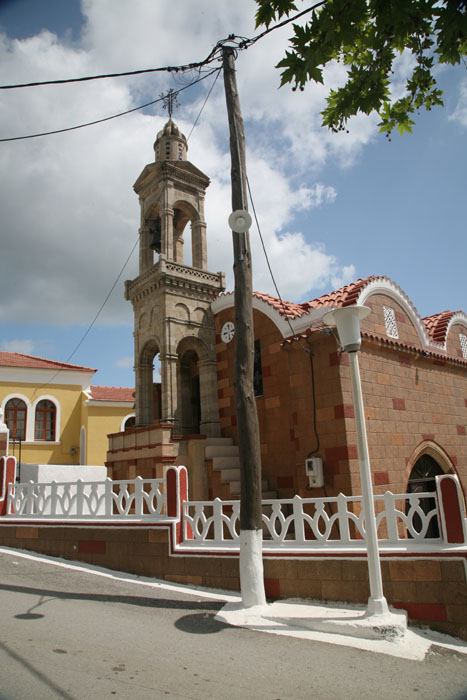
<point>432,590</point>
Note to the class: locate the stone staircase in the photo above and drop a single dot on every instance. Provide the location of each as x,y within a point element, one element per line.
<point>224,469</point>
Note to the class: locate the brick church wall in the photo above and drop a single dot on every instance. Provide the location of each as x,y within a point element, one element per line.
<point>414,403</point>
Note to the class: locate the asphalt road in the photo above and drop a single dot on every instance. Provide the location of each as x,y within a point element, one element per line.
<point>75,635</point>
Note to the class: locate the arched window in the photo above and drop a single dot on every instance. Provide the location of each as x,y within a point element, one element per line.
<point>15,418</point>
<point>422,480</point>
<point>129,422</point>
<point>46,414</point>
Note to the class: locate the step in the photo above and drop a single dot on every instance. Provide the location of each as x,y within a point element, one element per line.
<point>235,488</point>
<point>220,442</point>
<point>219,463</point>
<point>230,475</point>
<point>221,451</point>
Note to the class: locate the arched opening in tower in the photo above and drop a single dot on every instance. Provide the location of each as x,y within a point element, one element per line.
<point>190,393</point>
<point>148,386</point>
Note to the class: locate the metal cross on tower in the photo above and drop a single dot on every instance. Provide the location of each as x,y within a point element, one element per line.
<point>170,101</point>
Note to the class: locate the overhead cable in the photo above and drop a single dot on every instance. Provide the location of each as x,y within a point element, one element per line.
<point>106,119</point>
<point>241,43</point>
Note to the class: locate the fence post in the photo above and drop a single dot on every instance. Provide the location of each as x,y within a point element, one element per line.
<point>7,476</point>
<point>451,508</point>
<point>176,480</point>
<point>343,518</point>
<point>4,438</point>
<point>79,497</point>
<point>298,522</point>
<point>139,496</point>
<point>391,519</point>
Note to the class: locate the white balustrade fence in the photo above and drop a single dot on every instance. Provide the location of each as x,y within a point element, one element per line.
<point>404,521</point>
<point>138,498</point>
<point>301,522</point>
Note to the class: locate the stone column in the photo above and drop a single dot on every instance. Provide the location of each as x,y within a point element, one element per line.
<point>169,362</point>
<point>210,423</point>
<point>144,394</point>
<point>146,254</point>
<point>198,245</point>
<point>167,234</point>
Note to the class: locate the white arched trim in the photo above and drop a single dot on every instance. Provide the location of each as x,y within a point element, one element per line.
<point>459,319</point>
<point>122,425</point>
<point>58,415</point>
<point>286,327</point>
<point>82,446</point>
<point>29,435</point>
<point>383,285</point>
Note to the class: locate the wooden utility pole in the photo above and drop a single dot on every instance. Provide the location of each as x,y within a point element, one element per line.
<point>251,563</point>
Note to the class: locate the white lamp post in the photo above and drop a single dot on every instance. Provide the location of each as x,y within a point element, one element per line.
<point>347,321</point>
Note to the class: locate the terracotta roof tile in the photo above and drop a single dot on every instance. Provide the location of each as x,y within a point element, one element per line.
<point>18,359</point>
<point>285,308</point>
<point>436,325</point>
<point>112,393</point>
<point>345,296</point>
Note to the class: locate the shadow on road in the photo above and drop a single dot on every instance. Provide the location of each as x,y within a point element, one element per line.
<point>142,601</point>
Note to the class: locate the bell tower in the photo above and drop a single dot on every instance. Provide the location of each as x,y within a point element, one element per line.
<point>172,296</point>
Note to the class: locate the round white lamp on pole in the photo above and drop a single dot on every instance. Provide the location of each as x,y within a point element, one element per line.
<point>347,321</point>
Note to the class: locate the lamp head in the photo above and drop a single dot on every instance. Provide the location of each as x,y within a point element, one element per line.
<point>240,221</point>
<point>347,321</point>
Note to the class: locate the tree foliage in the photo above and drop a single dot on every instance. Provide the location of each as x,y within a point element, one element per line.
<point>367,36</point>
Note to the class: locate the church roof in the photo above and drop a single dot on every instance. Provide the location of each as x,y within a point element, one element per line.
<point>18,359</point>
<point>285,308</point>
<point>437,324</point>
<point>345,296</point>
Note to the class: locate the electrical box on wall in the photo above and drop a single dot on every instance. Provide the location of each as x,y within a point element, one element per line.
<point>314,471</point>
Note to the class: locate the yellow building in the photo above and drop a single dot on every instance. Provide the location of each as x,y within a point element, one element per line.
<point>55,415</point>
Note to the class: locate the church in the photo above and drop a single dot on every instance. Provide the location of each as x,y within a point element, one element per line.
<point>413,369</point>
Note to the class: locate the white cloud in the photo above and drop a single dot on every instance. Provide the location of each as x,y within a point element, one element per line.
<point>27,347</point>
<point>460,113</point>
<point>69,215</point>
<point>125,362</point>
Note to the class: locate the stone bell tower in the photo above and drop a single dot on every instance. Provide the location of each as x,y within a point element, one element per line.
<point>172,297</point>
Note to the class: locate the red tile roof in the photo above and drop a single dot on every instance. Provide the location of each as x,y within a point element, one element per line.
<point>285,308</point>
<point>436,325</point>
<point>345,296</point>
<point>112,393</point>
<point>18,359</point>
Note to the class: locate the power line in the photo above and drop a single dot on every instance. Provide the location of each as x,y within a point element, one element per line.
<point>204,103</point>
<point>106,119</point>
<point>163,69</point>
<point>242,43</point>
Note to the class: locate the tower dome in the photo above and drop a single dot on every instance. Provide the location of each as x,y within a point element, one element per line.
<point>170,143</point>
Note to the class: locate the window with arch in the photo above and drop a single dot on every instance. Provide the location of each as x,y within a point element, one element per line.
<point>15,418</point>
<point>130,422</point>
<point>46,419</point>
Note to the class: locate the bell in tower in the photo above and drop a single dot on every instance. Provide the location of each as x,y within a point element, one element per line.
<point>172,297</point>
<point>155,233</point>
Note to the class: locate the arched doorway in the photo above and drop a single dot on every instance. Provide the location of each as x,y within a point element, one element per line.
<point>190,393</point>
<point>422,480</point>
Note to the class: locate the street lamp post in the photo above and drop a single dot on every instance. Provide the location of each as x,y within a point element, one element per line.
<point>347,321</point>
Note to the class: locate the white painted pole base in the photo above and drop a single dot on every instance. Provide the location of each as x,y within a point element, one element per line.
<point>377,606</point>
<point>251,568</point>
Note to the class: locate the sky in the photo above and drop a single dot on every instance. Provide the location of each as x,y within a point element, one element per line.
<point>331,208</point>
